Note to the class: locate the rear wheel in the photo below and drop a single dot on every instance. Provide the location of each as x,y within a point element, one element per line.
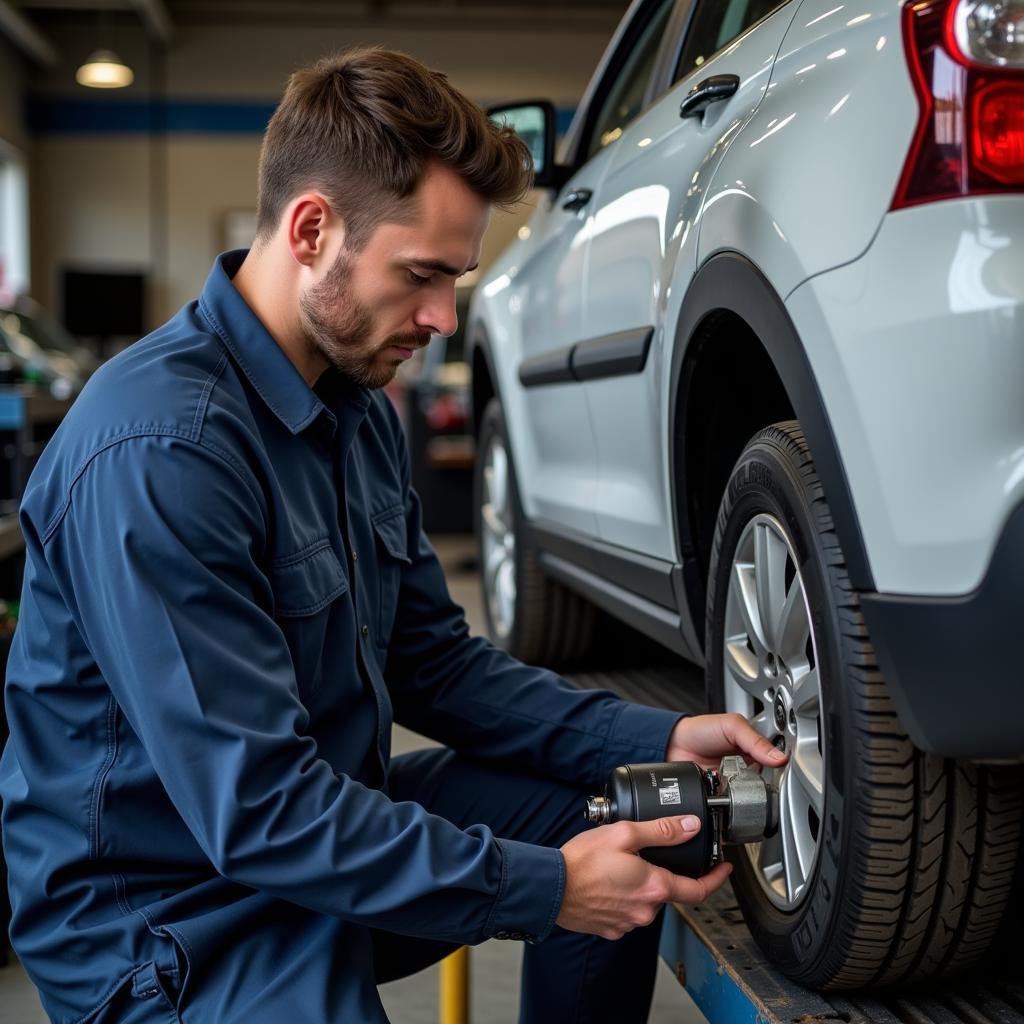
<point>532,617</point>
<point>890,865</point>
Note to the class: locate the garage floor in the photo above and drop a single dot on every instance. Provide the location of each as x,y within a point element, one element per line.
<point>494,965</point>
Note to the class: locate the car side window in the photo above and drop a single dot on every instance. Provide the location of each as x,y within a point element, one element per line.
<point>715,24</point>
<point>623,101</point>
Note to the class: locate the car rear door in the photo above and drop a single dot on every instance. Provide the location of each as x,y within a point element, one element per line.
<point>553,435</point>
<point>642,246</point>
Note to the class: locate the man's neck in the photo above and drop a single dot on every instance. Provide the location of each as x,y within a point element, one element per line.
<point>271,292</point>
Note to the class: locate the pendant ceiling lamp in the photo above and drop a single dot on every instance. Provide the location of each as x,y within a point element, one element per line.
<point>103,69</point>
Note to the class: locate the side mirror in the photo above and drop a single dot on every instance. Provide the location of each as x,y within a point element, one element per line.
<point>534,123</point>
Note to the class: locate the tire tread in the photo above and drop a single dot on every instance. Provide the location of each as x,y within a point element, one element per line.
<point>925,895</point>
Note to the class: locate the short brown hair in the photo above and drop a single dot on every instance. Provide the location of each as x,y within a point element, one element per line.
<point>361,126</point>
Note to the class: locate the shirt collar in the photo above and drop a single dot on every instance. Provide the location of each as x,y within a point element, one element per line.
<point>261,359</point>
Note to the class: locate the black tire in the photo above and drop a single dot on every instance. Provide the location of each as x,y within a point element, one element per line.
<point>550,625</point>
<point>916,855</point>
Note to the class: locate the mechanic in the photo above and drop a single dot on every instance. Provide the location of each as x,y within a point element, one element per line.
<point>228,599</point>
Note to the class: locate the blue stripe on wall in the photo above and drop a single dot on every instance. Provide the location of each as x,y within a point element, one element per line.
<point>46,116</point>
<point>59,116</point>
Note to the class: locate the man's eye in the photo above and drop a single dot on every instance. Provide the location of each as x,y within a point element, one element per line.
<point>417,279</point>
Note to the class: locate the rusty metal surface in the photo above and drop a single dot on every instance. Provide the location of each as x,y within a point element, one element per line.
<point>718,924</point>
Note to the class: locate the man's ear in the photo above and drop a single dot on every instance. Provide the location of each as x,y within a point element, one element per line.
<point>313,230</point>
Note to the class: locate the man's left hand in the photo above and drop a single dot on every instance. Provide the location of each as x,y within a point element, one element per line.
<point>706,739</point>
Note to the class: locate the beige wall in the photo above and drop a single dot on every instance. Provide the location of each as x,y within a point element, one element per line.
<point>159,204</point>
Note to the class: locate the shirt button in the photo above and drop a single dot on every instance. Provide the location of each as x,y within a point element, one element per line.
<point>355,556</point>
<point>365,630</point>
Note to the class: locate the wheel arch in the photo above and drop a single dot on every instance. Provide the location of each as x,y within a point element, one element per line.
<point>483,379</point>
<point>732,316</point>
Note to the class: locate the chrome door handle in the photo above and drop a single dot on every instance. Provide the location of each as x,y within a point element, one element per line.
<point>706,92</point>
<point>577,199</point>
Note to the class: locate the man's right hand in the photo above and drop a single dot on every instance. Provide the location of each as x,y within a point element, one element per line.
<point>610,890</point>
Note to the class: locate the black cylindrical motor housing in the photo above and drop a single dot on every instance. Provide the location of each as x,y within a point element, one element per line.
<point>642,792</point>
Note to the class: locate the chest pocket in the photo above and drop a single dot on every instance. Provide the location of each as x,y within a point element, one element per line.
<point>305,586</point>
<point>393,556</point>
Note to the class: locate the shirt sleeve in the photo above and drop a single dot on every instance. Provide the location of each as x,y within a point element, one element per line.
<point>467,693</point>
<point>157,555</point>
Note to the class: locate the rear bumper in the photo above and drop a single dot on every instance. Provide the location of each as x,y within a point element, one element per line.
<point>954,665</point>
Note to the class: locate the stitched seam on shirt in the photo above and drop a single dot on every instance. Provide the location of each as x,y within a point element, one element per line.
<point>121,893</point>
<point>101,777</point>
<point>556,903</point>
<point>292,424</point>
<point>388,513</point>
<point>204,398</point>
<point>527,718</point>
<point>223,455</point>
<point>105,998</point>
<point>286,561</point>
<point>288,613</point>
<point>489,926</point>
<point>611,729</point>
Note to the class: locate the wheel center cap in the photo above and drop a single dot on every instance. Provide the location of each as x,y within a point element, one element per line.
<point>779,712</point>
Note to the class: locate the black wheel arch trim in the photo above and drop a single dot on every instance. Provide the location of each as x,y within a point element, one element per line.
<point>946,661</point>
<point>730,281</point>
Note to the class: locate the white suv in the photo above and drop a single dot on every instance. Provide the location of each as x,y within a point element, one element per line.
<point>753,381</point>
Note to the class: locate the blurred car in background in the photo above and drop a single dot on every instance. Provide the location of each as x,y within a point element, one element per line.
<point>35,349</point>
<point>437,417</point>
<point>50,335</point>
<point>23,361</point>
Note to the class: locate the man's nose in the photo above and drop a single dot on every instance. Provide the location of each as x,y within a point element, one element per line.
<point>438,316</point>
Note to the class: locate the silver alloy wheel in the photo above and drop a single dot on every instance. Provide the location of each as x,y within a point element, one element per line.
<point>771,677</point>
<point>498,538</point>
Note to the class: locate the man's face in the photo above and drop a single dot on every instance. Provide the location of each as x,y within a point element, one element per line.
<point>373,308</point>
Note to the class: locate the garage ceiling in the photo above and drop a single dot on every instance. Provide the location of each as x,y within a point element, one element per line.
<point>163,17</point>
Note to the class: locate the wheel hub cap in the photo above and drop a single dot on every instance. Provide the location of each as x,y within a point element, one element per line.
<point>779,709</point>
<point>771,677</point>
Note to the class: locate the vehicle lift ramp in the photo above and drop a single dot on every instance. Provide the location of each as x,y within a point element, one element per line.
<point>711,952</point>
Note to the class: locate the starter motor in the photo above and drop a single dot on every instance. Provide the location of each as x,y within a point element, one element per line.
<point>735,804</point>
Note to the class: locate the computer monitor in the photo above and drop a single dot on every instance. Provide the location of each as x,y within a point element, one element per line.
<point>104,304</point>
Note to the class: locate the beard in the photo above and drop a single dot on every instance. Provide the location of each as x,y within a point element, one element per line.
<point>340,328</point>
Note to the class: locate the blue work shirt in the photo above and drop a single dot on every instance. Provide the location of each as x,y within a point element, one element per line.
<point>228,599</point>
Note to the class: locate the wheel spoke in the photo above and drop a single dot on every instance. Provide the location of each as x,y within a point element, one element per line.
<point>744,596</point>
<point>806,696</point>
<point>764,724</point>
<point>741,665</point>
<point>506,592</point>
<point>769,860</point>
<point>493,563</point>
<point>806,770</point>
<point>794,626</point>
<point>770,556</point>
<point>498,479</point>
<point>493,521</point>
<point>789,827</point>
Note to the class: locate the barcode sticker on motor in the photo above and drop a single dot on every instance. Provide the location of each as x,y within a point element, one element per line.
<point>669,794</point>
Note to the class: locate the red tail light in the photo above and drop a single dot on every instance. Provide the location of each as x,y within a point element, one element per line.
<point>970,134</point>
<point>997,131</point>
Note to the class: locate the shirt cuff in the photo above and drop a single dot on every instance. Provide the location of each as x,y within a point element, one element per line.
<point>639,734</point>
<point>530,895</point>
